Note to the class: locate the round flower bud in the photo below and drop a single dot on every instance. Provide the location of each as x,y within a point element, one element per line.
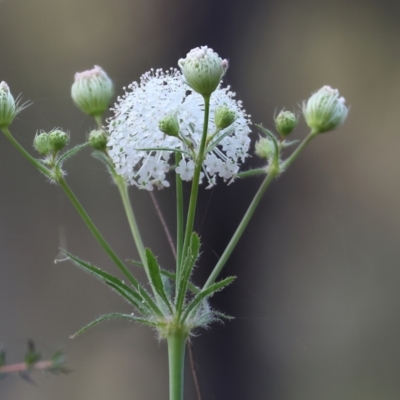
<point>265,148</point>
<point>41,143</point>
<point>169,125</point>
<point>58,140</point>
<point>224,117</point>
<point>8,107</point>
<point>92,91</point>
<point>98,140</point>
<point>285,122</point>
<point>325,110</point>
<point>203,69</point>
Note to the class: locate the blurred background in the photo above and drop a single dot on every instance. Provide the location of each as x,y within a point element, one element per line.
<point>317,299</point>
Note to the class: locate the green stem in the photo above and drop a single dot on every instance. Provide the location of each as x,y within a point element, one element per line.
<point>32,160</point>
<point>99,121</point>
<point>98,236</point>
<point>176,356</point>
<point>298,150</point>
<point>273,170</point>
<point>132,221</point>
<point>195,183</point>
<point>179,214</point>
<point>242,226</point>
<point>95,232</point>
<point>252,172</point>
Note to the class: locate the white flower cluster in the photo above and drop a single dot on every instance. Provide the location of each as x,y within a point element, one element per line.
<point>141,152</point>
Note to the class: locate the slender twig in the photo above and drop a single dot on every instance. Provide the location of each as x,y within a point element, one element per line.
<point>194,371</point>
<point>163,223</point>
<point>23,366</point>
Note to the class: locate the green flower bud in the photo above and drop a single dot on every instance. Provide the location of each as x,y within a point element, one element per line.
<point>203,69</point>
<point>265,148</point>
<point>9,108</point>
<point>169,125</point>
<point>285,122</point>
<point>41,143</point>
<point>92,91</point>
<point>58,140</point>
<point>224,117</point>
<point>325,110</point>
<point>98,139</point>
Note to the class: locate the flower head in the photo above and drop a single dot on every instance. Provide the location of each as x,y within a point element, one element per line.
<point>98,139</point>
<point>9,107</point>
<point>41,143</point>
<point>58,139</point>
<point>325,110</point>
<point>141,152</point>
<point>203,69</point>
<point>285,122</point>
<point>92,91</point>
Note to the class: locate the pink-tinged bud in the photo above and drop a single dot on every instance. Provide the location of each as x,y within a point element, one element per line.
<point>92,91</point>
<point>203,69</point>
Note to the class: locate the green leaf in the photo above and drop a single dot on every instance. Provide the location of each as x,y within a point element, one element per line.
<point>215,287</point>
<point>187,268</point>
<point>31,356</point>
<point>113,316</point>
<point>70,153</point>
<point>2,357</point>
<point>136,263</point>
<point>155,277</point>
<point>125,291</point>
<point>171,275</point>
<point>132,297</point>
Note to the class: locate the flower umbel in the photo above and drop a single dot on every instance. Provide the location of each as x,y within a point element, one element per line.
<point>203,69</point>
<point>141,152</point>
<point>92,91</point>
<point>325,110</point>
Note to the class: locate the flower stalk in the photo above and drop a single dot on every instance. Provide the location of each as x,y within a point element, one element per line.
<point>176,361</point>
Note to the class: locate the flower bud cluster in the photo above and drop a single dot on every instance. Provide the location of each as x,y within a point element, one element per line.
<point>169,125</point>
<point>265,148</point>
<point>92,91</point>
<point>98,139</point>
<point>50,143</point>
<point>203,69</point>
<point>224,117</point>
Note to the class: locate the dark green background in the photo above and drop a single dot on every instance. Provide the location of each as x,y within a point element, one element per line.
<point>317,298</point>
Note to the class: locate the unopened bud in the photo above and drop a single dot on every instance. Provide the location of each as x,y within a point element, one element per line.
<point>265,148</point>
<point>285,122</point>
<point>92,91</point>
<point>203,69</point>
<point>224,117</point>
<point>8,106</point>
<point>325,110</point>
<point>41,143</point>
<point>98,140</point>
<point>58,140</point>
<point>169,125</point>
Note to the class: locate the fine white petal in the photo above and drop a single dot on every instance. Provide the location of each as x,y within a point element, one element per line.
<point>141,152</point>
